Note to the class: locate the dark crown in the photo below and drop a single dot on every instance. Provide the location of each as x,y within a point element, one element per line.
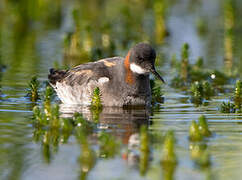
<point>143,52</point>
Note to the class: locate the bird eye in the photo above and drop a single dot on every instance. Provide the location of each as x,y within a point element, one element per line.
<point>140,58</point>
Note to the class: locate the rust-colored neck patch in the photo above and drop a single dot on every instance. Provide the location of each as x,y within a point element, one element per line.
<point>129,75</point>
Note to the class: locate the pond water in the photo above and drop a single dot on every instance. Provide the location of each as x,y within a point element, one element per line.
<point>30,44</point>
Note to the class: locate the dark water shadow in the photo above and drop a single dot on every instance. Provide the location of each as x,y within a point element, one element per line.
<point>120,122</point>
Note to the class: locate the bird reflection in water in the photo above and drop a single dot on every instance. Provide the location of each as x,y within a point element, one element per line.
<point>124,124</point>
<point>108,128</point>
<point>120,122</point>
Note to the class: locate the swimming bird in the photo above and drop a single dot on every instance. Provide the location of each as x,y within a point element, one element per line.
<point>122,81</point>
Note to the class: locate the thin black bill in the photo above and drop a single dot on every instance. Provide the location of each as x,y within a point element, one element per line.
<point>157,75</point>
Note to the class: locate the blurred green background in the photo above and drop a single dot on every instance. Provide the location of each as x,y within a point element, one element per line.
<point>67,33</point>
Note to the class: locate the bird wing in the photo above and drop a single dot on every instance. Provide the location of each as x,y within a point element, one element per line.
<point>90,71</point>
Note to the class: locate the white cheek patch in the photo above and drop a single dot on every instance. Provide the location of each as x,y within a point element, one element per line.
<point>103,80</point>
<point>137,69</point>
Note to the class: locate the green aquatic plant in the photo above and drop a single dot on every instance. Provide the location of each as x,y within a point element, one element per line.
<point>67,128</point>
<point>33,89</point>
<point>218,78</point>
<point>201,91</point>
<point>168,171</point>
<point>37,113</point>
<point>82,126</point>
<point>174,62</point>
<point>55,116</point>
<point>182,79</point>
<point>194,132</point>
<point>185,51</point>
<point>50,138</point>
<point>199,63</point>
<point>236,106</point>
<point>144,150</point>
<point>73,48</point>
<point>196,149</point>
<point>55,139</point>
<point>229,26</point>
<point>191,73</point>
<point>238,95</point>
<point>87,158</point>
<point>205,159</point>
<point>178,83</point>
<point>188,73</point>
<point>46,147</point>
<point>228,107</point>
<point>96,105</point>
<point>96,99</point>
<point>202,26</point>
<point>95,114</point>
<point>197,93</point>
<point>185,62</point>
<point>203,126</point>
<point>44,118</point>
<point>168,155</point>
<point>156,91</point>
<point>199,154</point>
<point>48,94</point>
<point>208,90</point>
<point>78,44</point>
<point>108,145</point>
<point>169,159</point>
<point>51,130</point>
<point>144,139</point>
<point>198,74</point>
<point>229,14</point>
<point>160,9</point>
<point>37,134</point>
<point>39,117</point>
